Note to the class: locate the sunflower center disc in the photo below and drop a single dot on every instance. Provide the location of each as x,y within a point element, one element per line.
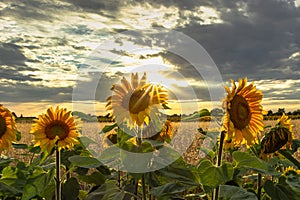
<point>240,114</point>
<point>139,101</point>
<point>57,128</point>
<point>2,126</point>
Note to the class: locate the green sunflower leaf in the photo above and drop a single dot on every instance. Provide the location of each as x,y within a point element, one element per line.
<point>168,190</point>
<point>108,190</point>
<point>295,145</point>
<point>95,178</point>
<point>108,128</point>
<point>246,160</point>
<point>19,146</point>
<point>84,161</point>
<point>220,174</point>
<point>70,189</point>
<point>279,191</point>
<point>229,192</point>
<point>289,156</point>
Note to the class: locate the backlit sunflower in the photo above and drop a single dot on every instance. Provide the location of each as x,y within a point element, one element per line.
<point>56,127</point>
<point>244,114</point>
<point>8,128</point>
<point>135,101</point>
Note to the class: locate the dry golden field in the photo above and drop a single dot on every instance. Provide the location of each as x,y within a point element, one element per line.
<point>186,140</point>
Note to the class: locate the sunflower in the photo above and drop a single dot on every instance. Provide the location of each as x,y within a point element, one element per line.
<point>110,139</point>
<point>290,170</point>
<point>286,122</point>
<point>56,127</point>
<point>164,134</point>
<point>8,128</point>
<point>277,137</point>
<point>244,114</point>
<point>135,101</point>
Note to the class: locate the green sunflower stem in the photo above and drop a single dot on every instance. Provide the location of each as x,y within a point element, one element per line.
<point>259,187</point>
<point>139,144</point>
<point>58,176</point>
<point>219,160</point>
<point>143,187</point>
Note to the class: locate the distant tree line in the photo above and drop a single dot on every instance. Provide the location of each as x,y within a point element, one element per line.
<point>275,115</point>
<point>202,115</point>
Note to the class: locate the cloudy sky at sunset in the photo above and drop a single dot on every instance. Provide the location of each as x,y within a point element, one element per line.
<point>70,52</point>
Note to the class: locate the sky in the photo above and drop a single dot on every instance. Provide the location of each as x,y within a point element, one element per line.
<point>70,52</point>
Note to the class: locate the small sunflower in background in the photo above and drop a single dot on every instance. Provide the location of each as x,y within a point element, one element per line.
<point>8,128</point>
<point>285,121</point>
<point>290,170</point>
<point>135,101</point>
<point>243,119</point>
<point>163,134</point>
<point>56,127</point>
<point>279,136</point>
<point>111,138</point>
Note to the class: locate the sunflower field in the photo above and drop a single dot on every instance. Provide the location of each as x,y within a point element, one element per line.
<point>142,155</point>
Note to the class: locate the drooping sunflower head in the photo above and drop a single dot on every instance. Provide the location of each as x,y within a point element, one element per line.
<point>56,127</point>
<point>278,137</point>
<point>135,100</point>
<point>8,128</point>
<point>275,139</point>
<point>243,119</point>
<point>285,121</point>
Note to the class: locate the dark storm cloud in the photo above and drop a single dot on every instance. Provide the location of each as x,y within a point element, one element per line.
<point>96,88</point>
<point>10,54</point>
<point>254,39</point>
<point>24,92</point>
<point>12,63</point>
<point>33,9</point>
<point>15,74</point>
<point>248,45</point>
<point>104,8</point>
<point>255,35</point>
